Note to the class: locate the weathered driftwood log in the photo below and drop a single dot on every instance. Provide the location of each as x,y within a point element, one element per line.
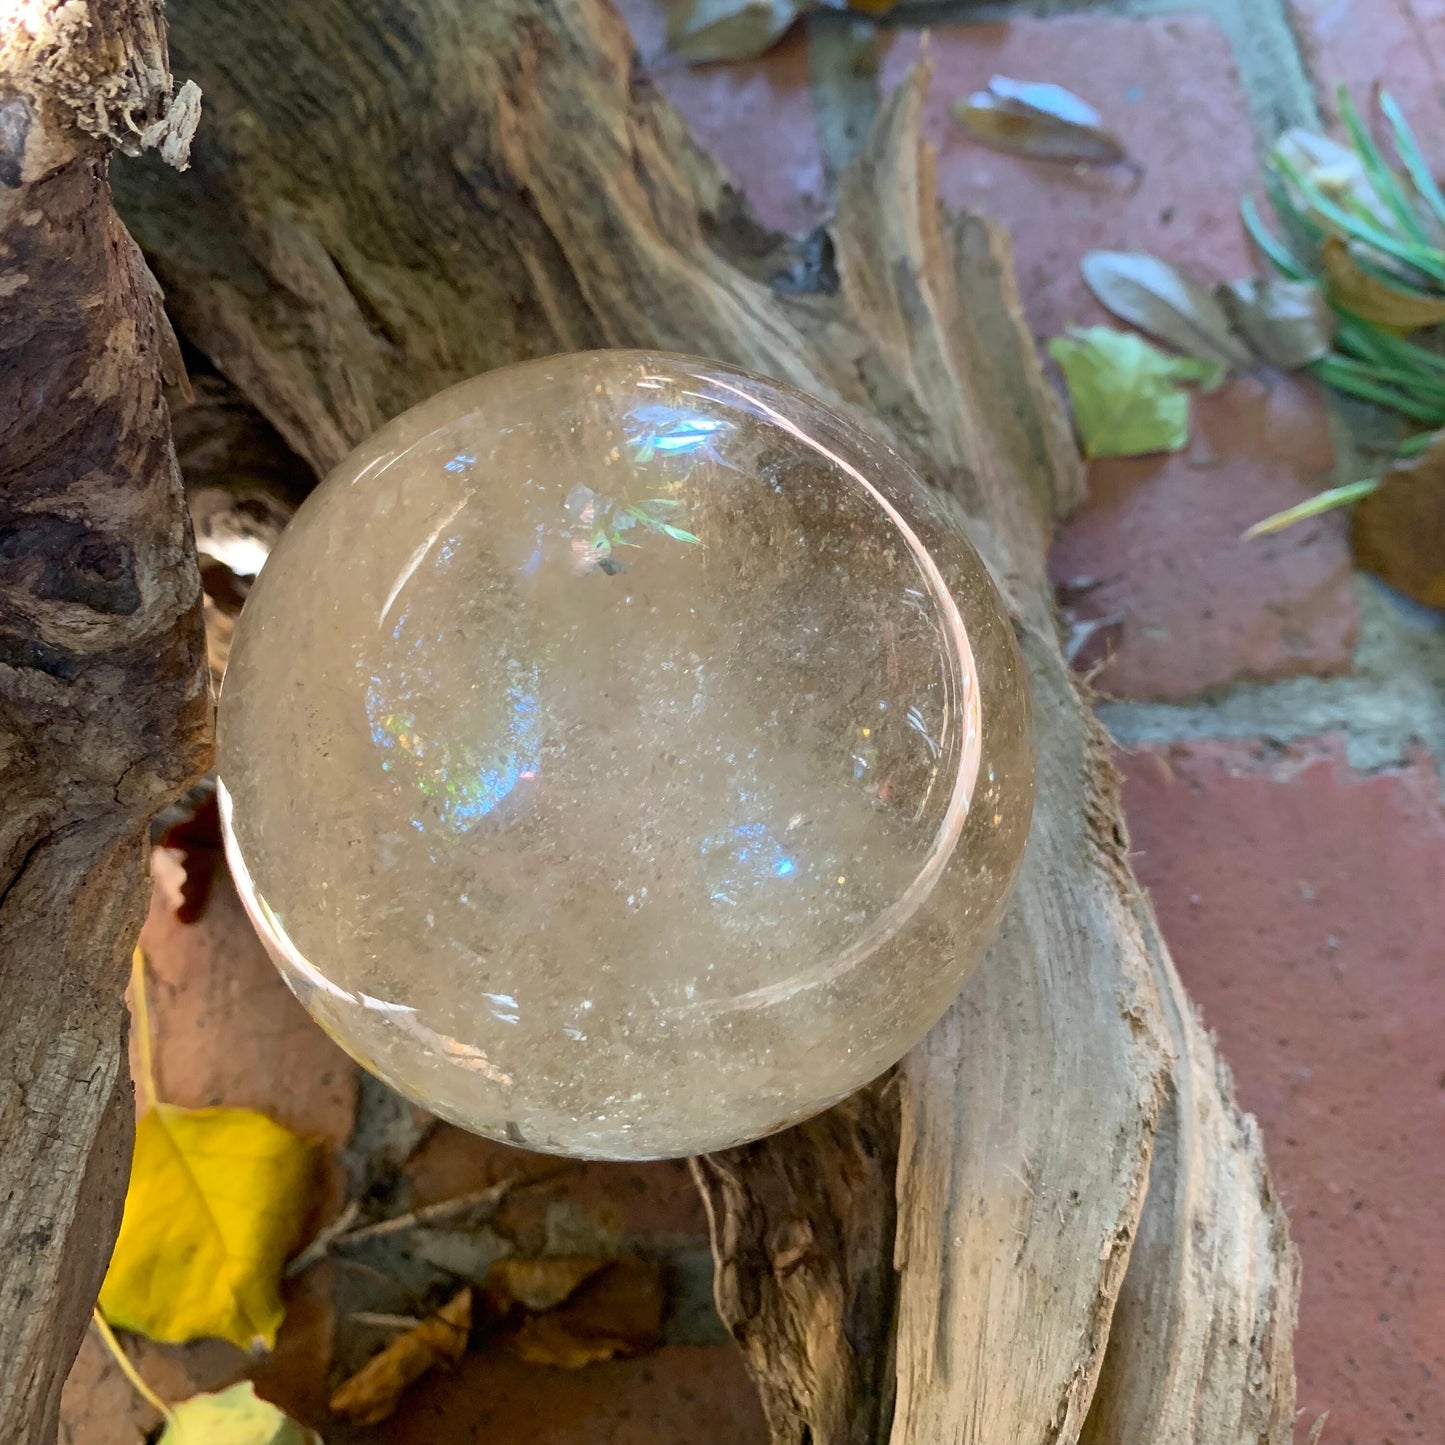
<point>103,696</point>
<point>1052,1223</point>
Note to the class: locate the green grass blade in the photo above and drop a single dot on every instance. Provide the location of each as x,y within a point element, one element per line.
<point>1381,177</point>
<point>1416,166</point>
<point>1373,343</point>
<point>1425,259</point>
<point>1278,254</point>
<point>1313,506</point>
<point>1359,338</point>
<point>1413,446</point>
<point>1356,380</point>
<point>1426,391</point>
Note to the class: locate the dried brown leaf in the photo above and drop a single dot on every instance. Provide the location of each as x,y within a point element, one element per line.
<point>616,1312</point>
<point>1044,122</point>
<point>536,1285</point>
<point>1288,323</point>
<point>1365,295</point>
<point>707,30</point>
<point>1158,298</point>
<point>375,1390</point>
<point>1398,530</point>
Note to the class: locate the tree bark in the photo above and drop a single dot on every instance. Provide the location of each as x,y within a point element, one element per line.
<point>104,707</point>
<point>1052,1224</point>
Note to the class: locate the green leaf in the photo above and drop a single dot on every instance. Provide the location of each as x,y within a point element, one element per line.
<point>1125,393</point>
<point>1377,385</point>
<point>1374,343</point>
<point>1421,442</point>
<point>233,1417</point>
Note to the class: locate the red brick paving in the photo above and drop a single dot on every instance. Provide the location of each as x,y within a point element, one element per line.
<point>1305,906</point>
<point>756,117</point>
<point>1198,608</point>
<point>679,1395</point>
<point>1159,549</point>
<point>203,982</point>
<point>638,1199</point>
<point>1167,87</point>
<point>1361,42</point>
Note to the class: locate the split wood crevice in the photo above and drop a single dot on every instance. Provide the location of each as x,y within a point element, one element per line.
<point>1052,1222</point>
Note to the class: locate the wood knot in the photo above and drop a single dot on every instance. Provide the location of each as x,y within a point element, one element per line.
<point>62,559</point>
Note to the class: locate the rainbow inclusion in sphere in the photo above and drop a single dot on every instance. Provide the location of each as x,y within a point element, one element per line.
<point>624,756</point>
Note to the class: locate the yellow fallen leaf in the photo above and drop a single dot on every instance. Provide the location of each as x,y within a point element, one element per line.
<point>216,1202</point>
<point>233,1417</point>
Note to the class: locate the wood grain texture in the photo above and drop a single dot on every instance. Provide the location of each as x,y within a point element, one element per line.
<point>804,1266</point>
<point>1204,1325</point>
<point>104,707</point>
<point>394,194</point>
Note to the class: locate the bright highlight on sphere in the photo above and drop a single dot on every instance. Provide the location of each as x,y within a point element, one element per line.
<point>624,756</point>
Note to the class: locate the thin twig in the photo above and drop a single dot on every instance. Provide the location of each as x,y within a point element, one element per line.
<point>428,1214</point>
<point>123,1361</point>
<point>320,1246</point>
<point>384,1322</point>
<point>343,1232</point>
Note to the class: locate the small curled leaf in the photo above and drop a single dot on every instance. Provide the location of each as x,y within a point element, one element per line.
<point>1038,120</point>
<point>709,30</point>
<point>375,1390</point>
<point>1160,299</point>
<point>1370,297</point>
<point>1288,323</point>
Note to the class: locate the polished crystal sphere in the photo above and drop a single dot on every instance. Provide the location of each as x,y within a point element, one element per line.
<point>624,756</point>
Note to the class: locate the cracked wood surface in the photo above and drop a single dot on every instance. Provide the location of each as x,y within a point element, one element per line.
<point>104,708</point>
<point>1052,1223</point>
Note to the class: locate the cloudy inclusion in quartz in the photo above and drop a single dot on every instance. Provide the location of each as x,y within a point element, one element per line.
<point>622,756</point>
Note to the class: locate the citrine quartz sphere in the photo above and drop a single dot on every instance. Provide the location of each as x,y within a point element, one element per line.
<point>624,756</point>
